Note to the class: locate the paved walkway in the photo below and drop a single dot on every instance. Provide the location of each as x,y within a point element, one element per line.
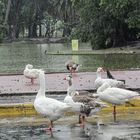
<point>18,84</point>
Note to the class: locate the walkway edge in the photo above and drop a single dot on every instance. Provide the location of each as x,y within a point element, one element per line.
<point>27,109</point>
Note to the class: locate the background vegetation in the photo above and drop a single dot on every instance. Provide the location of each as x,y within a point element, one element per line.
<point>104,23</point>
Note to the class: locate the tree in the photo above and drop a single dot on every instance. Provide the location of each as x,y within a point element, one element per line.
<point>7,12</point>
<point>2,26</point>
<point>66,12</point>
<point>107,23</point>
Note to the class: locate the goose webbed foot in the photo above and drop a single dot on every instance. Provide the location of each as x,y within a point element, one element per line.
<point>49,129</point>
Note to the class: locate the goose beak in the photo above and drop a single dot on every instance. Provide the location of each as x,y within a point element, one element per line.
<point>64,78</point>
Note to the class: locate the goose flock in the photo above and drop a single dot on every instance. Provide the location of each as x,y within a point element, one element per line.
<point>83,103</point>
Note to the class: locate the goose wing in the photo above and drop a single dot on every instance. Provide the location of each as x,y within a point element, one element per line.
<point>117,95</point>
<point>82,98</point>
<point>121,93</point>
<point>31,73</point>
<point>113,82</point>
<point>49,106</point>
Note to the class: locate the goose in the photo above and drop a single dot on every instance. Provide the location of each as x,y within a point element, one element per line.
<point>30,73</point>
<point>49,107</point>
<point>112,82</point>
<point>84,104</point>
<point>114,95</point>
<point>72,66</point>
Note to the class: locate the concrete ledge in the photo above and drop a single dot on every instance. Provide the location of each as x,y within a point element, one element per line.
<point>89,52</point>
<point>27,109</point>
<point>14,110</point>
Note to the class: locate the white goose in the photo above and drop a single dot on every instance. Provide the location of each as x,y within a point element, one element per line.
<point>112,82</point>
<point>84,105</point>
<point>114,95</point>
<point>30,73</point>
<point>49,107</point>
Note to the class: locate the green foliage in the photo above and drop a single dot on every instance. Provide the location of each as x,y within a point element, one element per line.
<point>105,23</point>
<point>2,11</point>
<point>133,19</point>
<point>108,23</point>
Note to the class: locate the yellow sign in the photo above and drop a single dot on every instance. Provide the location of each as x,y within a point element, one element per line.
<point>75,45</point>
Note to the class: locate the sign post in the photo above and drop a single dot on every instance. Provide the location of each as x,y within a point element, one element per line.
<point>75,44</point>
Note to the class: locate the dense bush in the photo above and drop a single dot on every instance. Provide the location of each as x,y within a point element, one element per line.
<point>108,23</point>
<point>104,23</point>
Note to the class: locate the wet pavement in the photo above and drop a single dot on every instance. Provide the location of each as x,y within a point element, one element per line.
<point>29,128</point>
<point>18,84</point>
<point>25,99</point>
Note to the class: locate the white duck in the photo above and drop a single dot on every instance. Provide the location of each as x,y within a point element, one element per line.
<point>30,73</point>
<point>49,107</point>
<point>112,82</point>
<point>114,95</point>
<point>84,104</point>
<point>72,66</point>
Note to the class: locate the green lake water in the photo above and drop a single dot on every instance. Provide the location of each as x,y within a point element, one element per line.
<point>14,57</point>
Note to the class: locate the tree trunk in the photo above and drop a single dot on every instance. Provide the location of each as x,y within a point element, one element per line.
<point>14,19</point>
<point>34,29</point>
<point>40,29</point>
<point>30,29</point>
<point>7,28</point>
<point>7,12</point>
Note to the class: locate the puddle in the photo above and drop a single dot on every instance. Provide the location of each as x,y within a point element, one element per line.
<point>28,128</point>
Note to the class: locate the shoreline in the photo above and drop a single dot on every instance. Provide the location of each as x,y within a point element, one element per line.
<point>129,48</point>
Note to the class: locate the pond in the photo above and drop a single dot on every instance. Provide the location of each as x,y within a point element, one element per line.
<point>14,57</point>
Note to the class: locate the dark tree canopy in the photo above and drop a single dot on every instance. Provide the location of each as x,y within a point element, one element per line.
<point>104,23</point>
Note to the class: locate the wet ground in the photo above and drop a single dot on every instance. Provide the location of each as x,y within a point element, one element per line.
<point>29,128</point>
<point>24,99</point>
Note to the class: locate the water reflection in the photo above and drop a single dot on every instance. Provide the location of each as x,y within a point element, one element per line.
<point>110,131</point>
<point>14,57</point>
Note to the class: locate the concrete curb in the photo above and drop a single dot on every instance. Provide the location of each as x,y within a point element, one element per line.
<point>27,109</point>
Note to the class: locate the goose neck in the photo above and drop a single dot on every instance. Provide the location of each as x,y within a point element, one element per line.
<point>103,87</point>
<point>98,74</point>
<point>41,91</point>
<point>70,82</point>
<point>68,91</point>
